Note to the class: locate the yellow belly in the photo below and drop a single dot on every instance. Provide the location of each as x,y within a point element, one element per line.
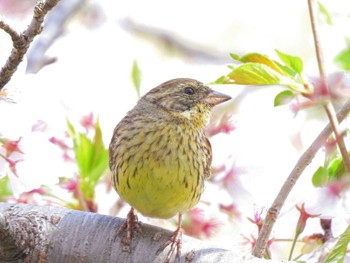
<point>160,189</point>
<point>163,179</point>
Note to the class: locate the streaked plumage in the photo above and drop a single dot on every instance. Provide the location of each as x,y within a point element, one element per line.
<point>159,154</point>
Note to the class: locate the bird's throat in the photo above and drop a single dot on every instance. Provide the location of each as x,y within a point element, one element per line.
<point>197,117</point>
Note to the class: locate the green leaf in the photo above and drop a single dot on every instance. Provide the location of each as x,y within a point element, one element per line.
<point>325,13</point>
<point>339,251</point>
<point>5,189</point>
<point>283,98</point>
<point>261,74</point>
<point>71,129</point>
<point>336,168</point>
<point>83,153</point>
<point>92,159</point>
<point>222,80</point>
<point>100,155</point>
<point>258,69</point>
<point>291,61</point>
<point>320,177</point>
<point>262,59</point>
<point>342,60</point>
<point>254,74</point>
<point>333,169</point>
<point>136,77</point>
<point>235,56</point>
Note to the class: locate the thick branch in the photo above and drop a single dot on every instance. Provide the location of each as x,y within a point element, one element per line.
<point>50,234</point>
<point>22,41</point>
<point>300,166</point>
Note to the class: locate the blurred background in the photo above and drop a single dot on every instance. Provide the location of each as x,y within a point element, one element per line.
<point>80,68</point>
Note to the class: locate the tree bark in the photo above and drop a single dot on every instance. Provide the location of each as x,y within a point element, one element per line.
<point>30,233</point>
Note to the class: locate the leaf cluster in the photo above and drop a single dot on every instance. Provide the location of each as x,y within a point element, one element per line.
<point>91,157</point>
<point>259,69</point>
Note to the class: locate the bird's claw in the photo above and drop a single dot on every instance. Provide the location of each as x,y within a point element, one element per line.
<point>131,224</point>
<point>175,241</point>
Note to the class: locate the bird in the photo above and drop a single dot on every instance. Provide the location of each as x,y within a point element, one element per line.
<point>160,157</point>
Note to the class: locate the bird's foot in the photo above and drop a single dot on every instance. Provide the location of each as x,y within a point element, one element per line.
<point>175,241</point>
<point>131,224</point>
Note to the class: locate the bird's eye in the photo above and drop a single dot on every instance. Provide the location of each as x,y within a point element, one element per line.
<point>189,90</point>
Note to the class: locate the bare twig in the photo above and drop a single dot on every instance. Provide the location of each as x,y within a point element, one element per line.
<point>319,52</point>
<point>22,41</point>
<point>54,27</point>
<point>300,166</point>
<point>338,134</point>
<point>324,83</point>
<point>13,34</point>
<point>169,39</point>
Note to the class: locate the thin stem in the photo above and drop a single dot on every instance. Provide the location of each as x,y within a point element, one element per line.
<point>293,246</point>
<point>324,83</point>
<point>82,200</point>
<point>338,134</point>
<point>303,162</point>
<point>283,240</point>
<point>319,53</point>
<point>296,258</point>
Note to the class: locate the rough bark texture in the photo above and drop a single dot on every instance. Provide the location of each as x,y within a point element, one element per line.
<point>50,234</point>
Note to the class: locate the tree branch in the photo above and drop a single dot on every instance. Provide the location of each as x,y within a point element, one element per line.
<point>22,41</point>
<point>300,166</point>
<point>54,25</point>
<point>31,233</point>
<point>324,83</point>
<point>189,49</point>
<point>13,34</point>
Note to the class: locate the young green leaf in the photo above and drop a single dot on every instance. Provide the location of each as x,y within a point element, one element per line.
<point>222,80</point>
<point>325,13</point>
<point>92,159</point>
<point>339,251</point>
<point>260,74</point>
<point>235,56</point>
<point>258,69</point>
<point>5,189</point>
<point>262,59</point>
<point>136,77</point>
<point>320,177</point>
<point>342,60</point>
<point>336,168</point>
<point>254,74</point>
<point>71,129</point>
<point>291,61</point>
<point>283,98</point>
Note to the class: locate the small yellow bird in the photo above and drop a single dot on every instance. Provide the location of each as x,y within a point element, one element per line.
<point>159,155</point>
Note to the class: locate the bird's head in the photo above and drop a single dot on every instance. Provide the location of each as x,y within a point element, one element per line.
<point>186,98</point>
<point>183,94</point>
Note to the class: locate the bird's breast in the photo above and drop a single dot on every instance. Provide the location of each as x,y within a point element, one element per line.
<point>161,171</point>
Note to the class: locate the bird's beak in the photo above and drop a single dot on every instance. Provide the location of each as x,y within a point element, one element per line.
<point>215,98</point>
